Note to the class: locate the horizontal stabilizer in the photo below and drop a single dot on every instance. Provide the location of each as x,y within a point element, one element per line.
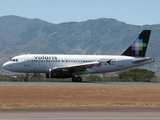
<point>142,60</point>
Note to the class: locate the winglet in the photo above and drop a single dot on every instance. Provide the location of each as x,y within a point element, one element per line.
<point>139,46</point>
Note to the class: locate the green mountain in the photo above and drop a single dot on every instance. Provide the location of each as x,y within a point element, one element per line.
<point>102,36</point>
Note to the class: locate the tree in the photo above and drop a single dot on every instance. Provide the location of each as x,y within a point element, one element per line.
<point>137,74</point>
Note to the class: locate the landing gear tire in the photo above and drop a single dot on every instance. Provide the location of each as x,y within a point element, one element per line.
<point>76,79</point>
<point>79,79</point>
<point>26,79</point>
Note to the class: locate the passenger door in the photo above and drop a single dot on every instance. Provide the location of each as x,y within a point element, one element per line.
<point>26,62</point>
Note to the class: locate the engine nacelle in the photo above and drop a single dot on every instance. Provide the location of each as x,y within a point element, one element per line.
<point>60,73</point>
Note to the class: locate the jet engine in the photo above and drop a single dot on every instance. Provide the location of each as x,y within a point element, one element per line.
<point>60,73</point>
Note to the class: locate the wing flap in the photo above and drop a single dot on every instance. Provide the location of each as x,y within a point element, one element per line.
<point>79,67</point>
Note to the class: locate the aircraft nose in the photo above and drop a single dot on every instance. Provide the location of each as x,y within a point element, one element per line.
<point>6,66</point>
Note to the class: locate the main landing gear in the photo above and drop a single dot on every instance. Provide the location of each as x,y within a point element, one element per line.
<point>76,79</point>
<point>26,78</point>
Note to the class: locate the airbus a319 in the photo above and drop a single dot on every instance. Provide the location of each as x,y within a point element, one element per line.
<point>72,66</point>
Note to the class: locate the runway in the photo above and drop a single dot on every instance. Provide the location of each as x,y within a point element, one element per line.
<point>81,114</point>
<point>80,84</point>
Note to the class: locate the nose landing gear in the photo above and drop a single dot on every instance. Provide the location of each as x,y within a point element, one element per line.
<point>26,78</point>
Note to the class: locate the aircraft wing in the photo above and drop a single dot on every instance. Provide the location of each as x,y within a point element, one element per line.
<point>79,67</point>
<point>142,60</point>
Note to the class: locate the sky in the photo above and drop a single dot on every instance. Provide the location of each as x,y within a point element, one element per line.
<point>136,12</point>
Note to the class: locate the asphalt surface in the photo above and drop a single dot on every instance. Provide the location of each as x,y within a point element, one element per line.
<point>81,114</point>
<point>79,84</point>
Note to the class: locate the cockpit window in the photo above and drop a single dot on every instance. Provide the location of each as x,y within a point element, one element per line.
<point>14,60</point>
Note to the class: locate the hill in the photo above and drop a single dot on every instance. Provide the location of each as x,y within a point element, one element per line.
<point>20,35</point>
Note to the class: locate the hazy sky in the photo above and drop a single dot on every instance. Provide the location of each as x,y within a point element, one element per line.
<point>137,12</point>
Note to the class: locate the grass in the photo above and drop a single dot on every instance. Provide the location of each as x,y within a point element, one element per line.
<point>86,78</point>
<point>79,97</point>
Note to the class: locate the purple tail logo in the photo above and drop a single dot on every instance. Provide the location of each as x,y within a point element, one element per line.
<point>138,46</point>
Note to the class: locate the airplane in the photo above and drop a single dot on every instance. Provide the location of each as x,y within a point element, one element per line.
<point>72,66</point>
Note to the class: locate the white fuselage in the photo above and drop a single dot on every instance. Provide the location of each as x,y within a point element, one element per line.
<point>41,63</point>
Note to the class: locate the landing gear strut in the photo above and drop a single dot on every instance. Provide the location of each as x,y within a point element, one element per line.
<point>47,75</point>
<point>26,78</point>
<point>76,79</point>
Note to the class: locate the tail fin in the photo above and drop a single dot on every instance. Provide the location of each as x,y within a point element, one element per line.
<point>139,46</point>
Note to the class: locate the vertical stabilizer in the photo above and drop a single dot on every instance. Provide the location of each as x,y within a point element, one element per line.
<point>139,46</point>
